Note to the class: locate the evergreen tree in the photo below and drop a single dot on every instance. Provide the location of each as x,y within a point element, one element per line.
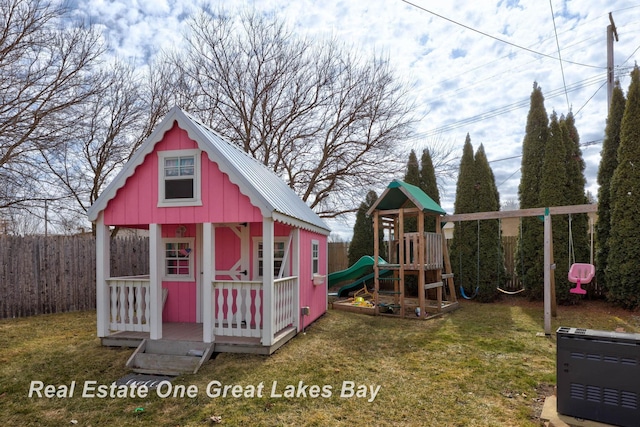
<point>574,195</point>
<point>429,185</point>
<point>412,177</point>
<point>622,272</point>
<point>553,193</point>
<point>530,252</point>
<point>608,164</point>
<point>465,237</point>
<point>363,238</point>
<point>492,271</point>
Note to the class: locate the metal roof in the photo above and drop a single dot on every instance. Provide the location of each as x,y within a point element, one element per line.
<point>399,192</point>
<point>264,188</point>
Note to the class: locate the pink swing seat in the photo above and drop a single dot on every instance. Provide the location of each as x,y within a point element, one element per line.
<point>579,274</point>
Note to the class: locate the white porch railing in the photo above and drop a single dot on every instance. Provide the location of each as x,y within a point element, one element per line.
<point>285,303</point>
<point>239,310</point>
<point>129,308</point>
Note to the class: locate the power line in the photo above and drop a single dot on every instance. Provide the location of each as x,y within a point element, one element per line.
<point>509,177</point>
<point>494,37</point>
<point>507,108</point>
<point>555,30</point>
<point>591,97</point>
<point>517,156</point>
<point>583,22</point>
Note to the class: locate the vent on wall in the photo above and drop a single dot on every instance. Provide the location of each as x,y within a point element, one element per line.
<point>597,375</point>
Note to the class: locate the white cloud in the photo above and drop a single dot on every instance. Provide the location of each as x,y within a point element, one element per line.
<point>457,74</point>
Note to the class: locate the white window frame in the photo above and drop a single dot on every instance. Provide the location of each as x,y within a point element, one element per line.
<point>178,277</point>
<point>257,241</point>
<point>315,257</point>
<point>196,200</point>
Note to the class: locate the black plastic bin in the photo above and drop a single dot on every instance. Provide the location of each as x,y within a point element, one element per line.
<point>598,375</point>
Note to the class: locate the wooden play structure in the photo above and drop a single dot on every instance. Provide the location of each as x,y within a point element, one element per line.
<point>412,282</point>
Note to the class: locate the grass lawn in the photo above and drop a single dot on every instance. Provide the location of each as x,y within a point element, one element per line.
<point>482,365</point>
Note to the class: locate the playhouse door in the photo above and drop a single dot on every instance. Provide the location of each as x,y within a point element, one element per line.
<point>181,281</point>
<point>232,252</point>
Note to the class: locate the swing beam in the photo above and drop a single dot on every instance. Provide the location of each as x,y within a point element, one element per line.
<point>549,279</point>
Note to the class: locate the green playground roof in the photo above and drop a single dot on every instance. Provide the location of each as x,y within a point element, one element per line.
<point>396,195</point>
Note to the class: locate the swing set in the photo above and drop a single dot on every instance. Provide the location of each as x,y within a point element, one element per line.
<point>477,289</point>
<point>463,292</point>
<point>579,273</point>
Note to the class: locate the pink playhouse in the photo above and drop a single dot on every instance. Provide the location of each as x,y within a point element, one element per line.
<point>237,260</point>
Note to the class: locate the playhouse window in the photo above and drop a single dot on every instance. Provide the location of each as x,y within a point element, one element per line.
<point>278,257</point>
<point>179,178</point>
<point>178,259</point>
<point>315,257</point>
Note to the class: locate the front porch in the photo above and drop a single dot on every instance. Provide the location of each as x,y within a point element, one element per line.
<point>236,315</point>
<point>193,332</point>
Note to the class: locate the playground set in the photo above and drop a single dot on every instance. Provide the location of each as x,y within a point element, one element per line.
<point>420,260</point>
<point>416,281</point>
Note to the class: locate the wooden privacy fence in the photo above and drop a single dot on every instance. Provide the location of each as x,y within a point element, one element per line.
<point>509,248</point>
<point>54,274</point>
<point>339,256</point>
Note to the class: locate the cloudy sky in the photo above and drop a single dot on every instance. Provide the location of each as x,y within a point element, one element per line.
<point>471,64</point>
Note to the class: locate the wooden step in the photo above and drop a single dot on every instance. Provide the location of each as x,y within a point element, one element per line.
<point>168,357</point>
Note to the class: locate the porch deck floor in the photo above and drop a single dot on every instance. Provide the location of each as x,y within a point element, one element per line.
<point>185,332</point>
<point>170,331</point>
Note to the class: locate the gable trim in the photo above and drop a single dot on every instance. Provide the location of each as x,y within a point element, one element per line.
<point>195,131</point>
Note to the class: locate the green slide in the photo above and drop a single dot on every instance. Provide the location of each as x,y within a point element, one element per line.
<point>356,271</point>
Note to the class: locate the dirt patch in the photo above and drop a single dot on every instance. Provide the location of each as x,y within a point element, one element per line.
<point>542,392</point>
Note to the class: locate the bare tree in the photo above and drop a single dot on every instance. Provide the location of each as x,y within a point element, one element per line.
<point>114,124</point>
<point>325,119</point>
<point>46,72</point>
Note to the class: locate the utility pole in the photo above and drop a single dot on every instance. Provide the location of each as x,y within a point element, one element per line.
<point>46,218</point>
<point>611,33</point>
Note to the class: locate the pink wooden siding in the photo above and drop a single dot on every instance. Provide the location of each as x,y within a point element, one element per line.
<point>181,302</point>
<point>181,298</point>
<point>315,297</point>
<point>136,202</point>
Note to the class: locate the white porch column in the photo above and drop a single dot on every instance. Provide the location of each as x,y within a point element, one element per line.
<point>208,274</point>
<point>155,280</point>
<point>295,271</point>
<point>103,261</point>
<point>268,306</point>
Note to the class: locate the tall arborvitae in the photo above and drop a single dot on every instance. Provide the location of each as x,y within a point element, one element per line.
<point>552,193</point>
<point>622,273</point>
<point>530,244</point>
<point>574,195</point>
<point>463,249</point>
<point>362,240</point>
<point>608,164</point>
<point>492,272</point>
<point>412,177</point>
<point>429,185</point>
